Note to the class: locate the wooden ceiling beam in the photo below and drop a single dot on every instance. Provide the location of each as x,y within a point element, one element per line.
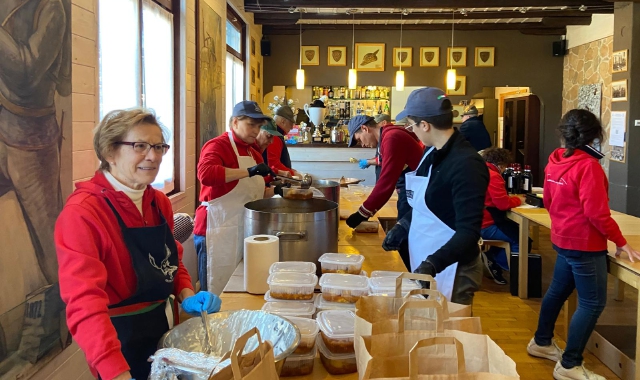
<point>256,5</point>
<point>294,29</point>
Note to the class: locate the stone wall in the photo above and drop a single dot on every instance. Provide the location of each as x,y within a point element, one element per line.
<point>589,64</point>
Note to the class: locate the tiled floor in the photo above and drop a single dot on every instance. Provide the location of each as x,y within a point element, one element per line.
<point>511,321</point>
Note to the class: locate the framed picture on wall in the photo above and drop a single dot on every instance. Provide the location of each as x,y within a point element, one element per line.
<point>619,91</point>
<point>456,57</point>
<point>253,47</point>
<point>310,55</point>
<point>619,61</point>
<point>370,56</point>
<point>402,56</point>
<point>461,87</point>
<point>485,56</point>
<point>337,56</point>
<point>430,56</point>
<point>258,70</point>
<point>253,76</point>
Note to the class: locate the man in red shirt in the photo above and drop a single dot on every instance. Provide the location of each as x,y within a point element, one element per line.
<point>399,153</point>
<point>277,155</point>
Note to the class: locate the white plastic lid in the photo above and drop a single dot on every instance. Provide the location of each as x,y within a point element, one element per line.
<point>344,281</point>
<point>323,304</point>
<point>337,324</point>
<point>292,279</point>
<point>293,266</point>
<point>388,285</point>
<point>268,298</point>
<point>341,259</point>
<point>289,308</point>
<point>306,326</point>
<point>385,273</point>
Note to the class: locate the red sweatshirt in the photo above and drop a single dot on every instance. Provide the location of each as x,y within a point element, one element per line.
<point>398,148</point>
<point>216,155</point>
<point>497,196</point>
<point>95,267</point>
<point>274,152</point>
<point>576,193</point>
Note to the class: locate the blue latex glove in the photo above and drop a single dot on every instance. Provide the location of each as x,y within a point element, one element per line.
<point>206,301</point>
<point>363,163</point>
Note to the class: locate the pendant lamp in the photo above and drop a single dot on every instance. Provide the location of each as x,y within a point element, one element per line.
<point>451,73</point>
<point>300,72</point>
<point>400,73</point>
<point>353,73</point>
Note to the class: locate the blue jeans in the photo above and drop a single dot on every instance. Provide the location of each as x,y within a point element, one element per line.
<point>201,250</point>
<point>586,272</point>
<point>497,254</point>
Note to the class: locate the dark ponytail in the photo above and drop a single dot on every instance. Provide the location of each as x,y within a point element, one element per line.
<point>578,128</point>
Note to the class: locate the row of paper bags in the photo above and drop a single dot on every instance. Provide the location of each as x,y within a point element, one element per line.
<point>401,338</point>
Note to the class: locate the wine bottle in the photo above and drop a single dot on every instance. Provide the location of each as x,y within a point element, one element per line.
<point>331,92</point>
<point>527,180</point>
<point>508,178</point>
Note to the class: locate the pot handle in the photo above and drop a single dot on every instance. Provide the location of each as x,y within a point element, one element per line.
<point>301,235</point>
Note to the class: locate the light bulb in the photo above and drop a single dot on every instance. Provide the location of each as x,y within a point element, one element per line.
<point>353,79</point>
<point>400,80</point>
<point>300,79</point>
<point>451,79</point>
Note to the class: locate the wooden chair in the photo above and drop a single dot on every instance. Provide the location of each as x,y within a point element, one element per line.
<point>486,244</point>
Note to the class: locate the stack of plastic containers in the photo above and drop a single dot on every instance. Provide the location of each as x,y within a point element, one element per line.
<point>383,283</point>
<point>335,342</point>
<point>338,263</point>
<point>291,289</point>
<point>300,363</point>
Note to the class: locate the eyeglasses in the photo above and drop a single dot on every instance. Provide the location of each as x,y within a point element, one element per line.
<point>410,126</point>
<point>143,147</point>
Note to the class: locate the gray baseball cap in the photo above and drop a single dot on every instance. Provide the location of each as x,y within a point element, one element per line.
<point>382,117</point>
<point>354,126</point>
<point>285,112</point>
<point>471,110</point>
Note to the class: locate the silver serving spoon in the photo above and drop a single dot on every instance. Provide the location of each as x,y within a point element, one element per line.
<point>207,333</point>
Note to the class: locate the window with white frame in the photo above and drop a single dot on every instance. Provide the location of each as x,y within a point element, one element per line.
<point>136,50</point>
<point>235,61</point>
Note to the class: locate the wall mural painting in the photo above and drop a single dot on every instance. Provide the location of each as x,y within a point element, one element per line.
<point>35,175</point>
<point>210,59</point>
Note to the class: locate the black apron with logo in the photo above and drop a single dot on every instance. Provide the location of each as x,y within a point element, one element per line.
<point>141,320</point>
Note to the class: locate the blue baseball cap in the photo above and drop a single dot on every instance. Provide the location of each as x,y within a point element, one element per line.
<point>426,102</point>
<point>249,108</point>
<point>354,126</point>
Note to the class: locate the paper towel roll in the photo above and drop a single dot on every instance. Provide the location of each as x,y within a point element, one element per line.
<point>260,251</point>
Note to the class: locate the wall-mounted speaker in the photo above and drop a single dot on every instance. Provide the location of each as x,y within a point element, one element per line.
<point>559,48</point>
<point>265,47</point>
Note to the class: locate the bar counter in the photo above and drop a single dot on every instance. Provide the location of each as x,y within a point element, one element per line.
<point>367,244</point>
<point>332,161</point>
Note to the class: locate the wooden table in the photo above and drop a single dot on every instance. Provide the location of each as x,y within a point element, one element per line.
<point>368,245</point>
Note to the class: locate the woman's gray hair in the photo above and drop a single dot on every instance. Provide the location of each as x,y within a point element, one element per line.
<point>114,127</point>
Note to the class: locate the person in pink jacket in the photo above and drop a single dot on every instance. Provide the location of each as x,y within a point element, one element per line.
<point>576,195</point>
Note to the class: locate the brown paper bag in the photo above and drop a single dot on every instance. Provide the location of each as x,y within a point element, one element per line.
<point>444,361</point>
<point>258,364</point>
<point>387,355</point>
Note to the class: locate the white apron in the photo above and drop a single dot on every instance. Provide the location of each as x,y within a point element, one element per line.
<point>427,233</point>
<point>225,225</point>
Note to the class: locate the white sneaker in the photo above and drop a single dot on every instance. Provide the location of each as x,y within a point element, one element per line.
<point>576,373</point>
<point>551,352</point>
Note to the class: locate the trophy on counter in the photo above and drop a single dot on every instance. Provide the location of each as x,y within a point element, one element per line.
<point>316,113</point>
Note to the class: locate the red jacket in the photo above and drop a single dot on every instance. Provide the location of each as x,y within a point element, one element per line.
<point>398,148</point>
<point>274,152</point>
<point>216,155</point>
<point>497,196</point>
<point>95,268</point>
<point>576,193</point>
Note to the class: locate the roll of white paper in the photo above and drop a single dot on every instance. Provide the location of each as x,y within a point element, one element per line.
<point>260,251</point>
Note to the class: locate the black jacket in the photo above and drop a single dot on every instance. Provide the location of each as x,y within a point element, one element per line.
<point>476,133</point>
<point>456,192</point>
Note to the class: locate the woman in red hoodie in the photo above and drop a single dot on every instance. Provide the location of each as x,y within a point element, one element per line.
<point>119,264</point>
<point>576,195</point>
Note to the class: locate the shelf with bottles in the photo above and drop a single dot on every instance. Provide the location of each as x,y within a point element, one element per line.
<point>346,109</point>
<point>344,93</point>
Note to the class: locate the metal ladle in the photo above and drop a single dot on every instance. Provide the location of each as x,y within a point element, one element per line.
<point>305,182</point>
<point>207,333</point>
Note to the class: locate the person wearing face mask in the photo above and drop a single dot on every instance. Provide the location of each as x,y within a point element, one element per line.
<point>119,264</point>
<point>400,153</point>
<point>231,173</point>
<point>446,194</point>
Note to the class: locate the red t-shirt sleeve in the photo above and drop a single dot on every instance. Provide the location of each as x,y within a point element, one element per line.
<point>594,197</point>
<point>274,152</point>
<point>83,277</point>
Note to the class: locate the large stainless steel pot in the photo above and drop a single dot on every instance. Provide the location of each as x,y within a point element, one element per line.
<point>306,228</point>
<point>330,189</point>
